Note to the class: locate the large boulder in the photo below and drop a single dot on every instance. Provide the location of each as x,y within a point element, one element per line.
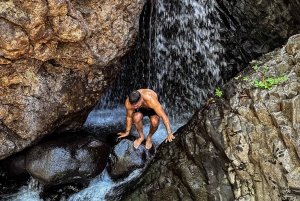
<point>57,57</point>
<point>241,146</point>
<point>71,158</point>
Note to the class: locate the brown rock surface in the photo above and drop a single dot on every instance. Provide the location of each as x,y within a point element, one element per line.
<point>56,59</point>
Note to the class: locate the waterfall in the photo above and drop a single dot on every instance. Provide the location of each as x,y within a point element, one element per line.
<point>178,54</point>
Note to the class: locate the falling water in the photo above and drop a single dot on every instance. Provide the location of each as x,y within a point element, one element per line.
<point>178,54</point>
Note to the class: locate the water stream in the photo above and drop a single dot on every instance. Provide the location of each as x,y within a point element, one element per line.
<point>30,192</point>
<point>178,55</point>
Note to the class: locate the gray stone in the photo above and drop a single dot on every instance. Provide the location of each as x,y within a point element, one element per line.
<point>70,158</point>
<point>125,159</point>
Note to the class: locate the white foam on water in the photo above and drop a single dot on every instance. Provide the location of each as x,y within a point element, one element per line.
<point>26,193</point>
<point>101,186</point>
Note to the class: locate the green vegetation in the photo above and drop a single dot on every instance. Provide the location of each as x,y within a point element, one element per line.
<point>219,93</point>
<point>266,82</point>
<point>255,67</point>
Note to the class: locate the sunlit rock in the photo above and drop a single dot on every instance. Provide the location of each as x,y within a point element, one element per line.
<point>57,57</point>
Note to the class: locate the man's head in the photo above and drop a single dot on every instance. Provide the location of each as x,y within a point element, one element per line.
<point>134,97</point>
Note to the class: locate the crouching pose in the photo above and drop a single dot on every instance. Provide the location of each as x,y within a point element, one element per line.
<point>140,103</point>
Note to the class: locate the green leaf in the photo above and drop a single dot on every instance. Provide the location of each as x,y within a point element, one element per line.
<point>219,93</point>
<point>261,84</point>
<point>238,77</point>
<point>270,81</point>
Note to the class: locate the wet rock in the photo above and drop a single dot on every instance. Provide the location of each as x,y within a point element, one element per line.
<point>252,28</point>
<point>188,168</point>
<point>71,158</point>
<point>14,167</point>
<point>125,159</point>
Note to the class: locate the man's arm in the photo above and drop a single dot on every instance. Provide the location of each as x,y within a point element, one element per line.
<point>161,113</point>
<point>129,113</point>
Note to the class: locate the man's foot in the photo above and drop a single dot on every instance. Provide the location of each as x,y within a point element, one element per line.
<point>148,144</point>
<point>137,142</point>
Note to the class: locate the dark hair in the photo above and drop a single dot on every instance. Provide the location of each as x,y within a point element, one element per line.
<point>134,97</point>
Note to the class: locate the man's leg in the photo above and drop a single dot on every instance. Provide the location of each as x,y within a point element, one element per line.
<point>154,121</point>
<point>138,123</point>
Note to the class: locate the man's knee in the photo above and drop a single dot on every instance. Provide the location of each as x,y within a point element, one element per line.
<point>154,121</point>
<point>137,117</point>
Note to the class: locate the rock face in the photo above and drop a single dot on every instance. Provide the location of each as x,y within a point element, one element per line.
<point>251,28</point>
<point>14,167</point>
<point>242,146</point>
<point>56,59</point>
<point>68,159</point>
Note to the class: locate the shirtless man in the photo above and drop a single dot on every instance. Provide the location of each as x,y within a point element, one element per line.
<point>140,103</point>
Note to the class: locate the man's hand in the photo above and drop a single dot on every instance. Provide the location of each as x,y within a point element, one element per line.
<point>170,138</point>
<point>123,134</point>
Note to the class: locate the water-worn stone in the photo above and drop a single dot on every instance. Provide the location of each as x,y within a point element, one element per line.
<point>56,59</point>
<point>125,159</point>
<point>71,158</point>
<point>251,153</point>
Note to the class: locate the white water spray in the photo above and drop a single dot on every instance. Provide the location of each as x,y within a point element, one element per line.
<point>28,193</point>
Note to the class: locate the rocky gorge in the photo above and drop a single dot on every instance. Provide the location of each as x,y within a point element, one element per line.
<point>240,146</point>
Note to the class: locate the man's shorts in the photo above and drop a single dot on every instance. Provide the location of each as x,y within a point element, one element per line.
<point>146,111</point>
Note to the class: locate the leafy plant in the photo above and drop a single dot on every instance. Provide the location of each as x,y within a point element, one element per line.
<point>255,67</point>
<point>266,82</point>
<point>245,79</point>
<point>219,93</point>
<point>238,77</point>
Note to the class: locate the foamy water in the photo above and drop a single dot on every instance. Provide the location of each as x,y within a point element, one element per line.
<point>26,193</point>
